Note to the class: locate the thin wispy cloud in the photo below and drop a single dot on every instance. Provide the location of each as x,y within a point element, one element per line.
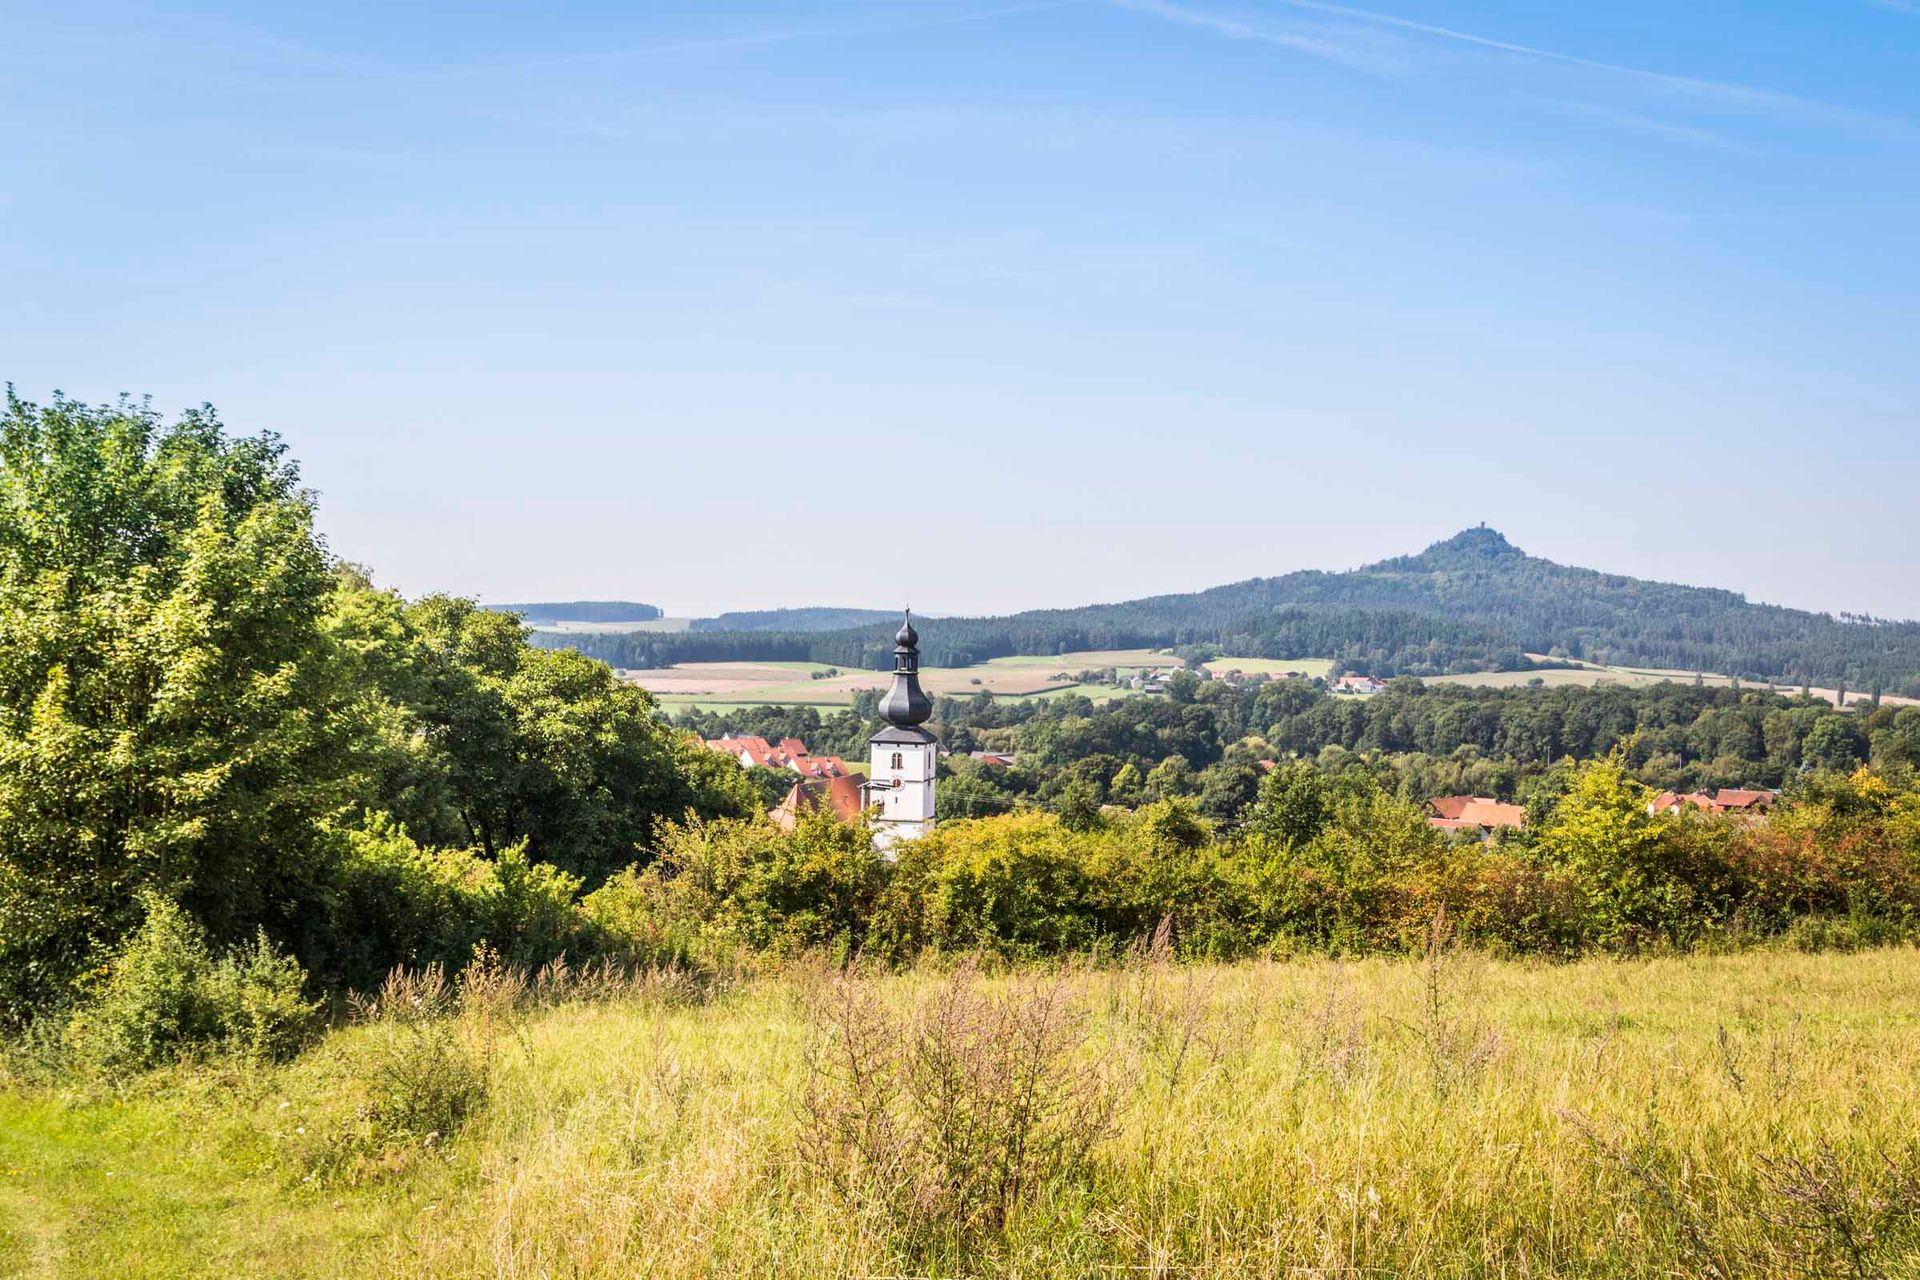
<point>781,35</point>
<point>1348,53</point>
<point>1900,6</point>
<point>1602,113</point>
<point>1718,90</point>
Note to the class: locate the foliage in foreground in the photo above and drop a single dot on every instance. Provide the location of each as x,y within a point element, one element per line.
<point>1324,864</point>
<point>198,703</point>
<point>1741,1116</point>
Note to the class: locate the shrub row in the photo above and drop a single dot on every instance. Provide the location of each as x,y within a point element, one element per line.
<point>1348,869</point>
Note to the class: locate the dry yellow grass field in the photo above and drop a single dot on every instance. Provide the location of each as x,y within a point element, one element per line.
<point>1751,1115</point>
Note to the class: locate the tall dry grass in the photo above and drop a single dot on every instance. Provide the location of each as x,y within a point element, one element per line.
<point>1749,1115</point>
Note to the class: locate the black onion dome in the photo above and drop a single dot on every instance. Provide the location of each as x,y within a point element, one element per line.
<point>906,703</point>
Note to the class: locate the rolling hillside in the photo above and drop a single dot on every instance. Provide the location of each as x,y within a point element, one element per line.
<point>1472,602</point>
<point>596,611</point>
<point>801,620</point>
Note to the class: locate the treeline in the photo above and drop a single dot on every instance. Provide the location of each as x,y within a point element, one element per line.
<point>1325,861</point>
<point>204,718</point>
<point>1473,602</point>
<point>582,611</point>
<point>795,620</point>
<point>1206,740</point>
<point>1381,642</point>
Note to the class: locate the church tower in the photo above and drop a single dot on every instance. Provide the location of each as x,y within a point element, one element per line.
<point>901,778</point>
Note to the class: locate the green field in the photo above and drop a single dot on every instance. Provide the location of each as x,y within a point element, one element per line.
<point>1745,1116</point>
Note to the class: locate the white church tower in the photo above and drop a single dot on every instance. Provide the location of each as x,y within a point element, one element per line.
<point>901,777</point>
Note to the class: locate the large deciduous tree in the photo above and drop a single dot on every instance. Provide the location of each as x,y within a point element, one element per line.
<point>549,747</point>
<point>171,716</point>
<point>197,703</point>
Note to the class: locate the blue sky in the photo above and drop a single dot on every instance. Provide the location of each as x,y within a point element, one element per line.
<point>999,305</point>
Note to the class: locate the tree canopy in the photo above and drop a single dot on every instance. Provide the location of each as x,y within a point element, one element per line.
<point>197,702</point>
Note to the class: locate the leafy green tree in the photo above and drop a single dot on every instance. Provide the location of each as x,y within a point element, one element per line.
<point>1616,852</point>
<point>1174,825</point>
<point>1897,744</point>
<point>1834,742</point>
<point>549,747</point>
<point>1292,805</point>
<point>1127,784</point>
<point>1078,805</point>
<point>172,716</point>
<point>1167,780</point>
<point>197,705</point>
<point>1227,789</point>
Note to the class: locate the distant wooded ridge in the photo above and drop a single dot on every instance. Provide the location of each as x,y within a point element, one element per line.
<point>1472,602</point>
<point>800,620</point>
<point>582,611</point>
<point>604,612</point>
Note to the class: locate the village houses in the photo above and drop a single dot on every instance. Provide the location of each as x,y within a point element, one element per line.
<point>1742,800</point>
<point>788,753</point>
<point>1475,813</point>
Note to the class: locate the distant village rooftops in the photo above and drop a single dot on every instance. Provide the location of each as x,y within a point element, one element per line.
<point>788,753</point>
<point>842,796</point>
<point>1475,813</point>
<point>1358,684</point>
<point>1725,800</point>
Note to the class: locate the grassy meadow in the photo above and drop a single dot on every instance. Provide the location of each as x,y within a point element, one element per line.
<point>1747,1115</point>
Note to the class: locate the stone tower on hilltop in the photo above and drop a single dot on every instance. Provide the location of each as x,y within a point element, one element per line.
<point>903,753</point>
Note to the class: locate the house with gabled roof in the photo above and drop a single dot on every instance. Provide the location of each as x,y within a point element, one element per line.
<point>844,797</point>
<point>1742,800</point>
<point>1475,813</point>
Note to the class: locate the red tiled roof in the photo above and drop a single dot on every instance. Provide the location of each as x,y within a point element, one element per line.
<point>1492,813</point>
<point>843,796</point>
<point>1739,798</point>
<point>820,766</point>
<point>1457,813</point>
<point>1673,801</point>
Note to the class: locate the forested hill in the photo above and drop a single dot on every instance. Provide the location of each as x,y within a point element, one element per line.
<point>1469,603</point>
<point>817,619</point>
<point>1604,617</point>
<point>581,611</point>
